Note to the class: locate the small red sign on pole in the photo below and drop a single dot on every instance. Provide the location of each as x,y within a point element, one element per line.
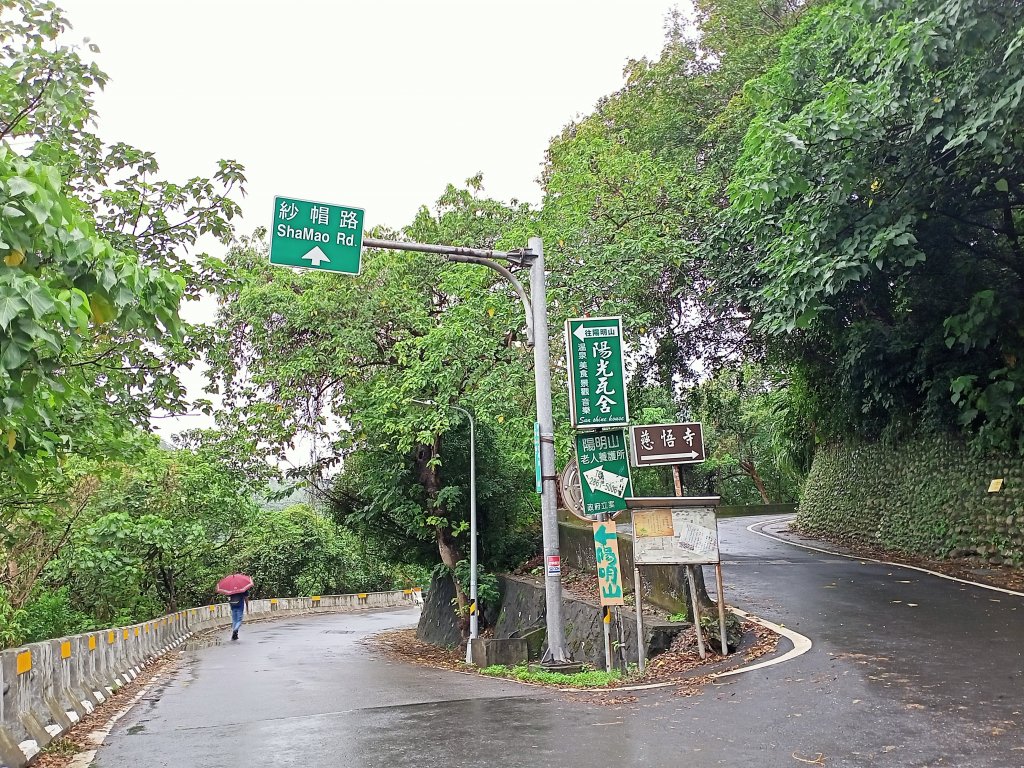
<point>554,565</point>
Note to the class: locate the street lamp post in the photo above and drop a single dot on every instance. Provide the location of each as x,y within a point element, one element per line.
<point>474,624</point>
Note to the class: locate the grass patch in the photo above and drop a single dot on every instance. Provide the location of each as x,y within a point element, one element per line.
<point>591,678</point>
<point>61,748</point>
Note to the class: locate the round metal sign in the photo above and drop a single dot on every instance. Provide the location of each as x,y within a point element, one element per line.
<point>572,495</point>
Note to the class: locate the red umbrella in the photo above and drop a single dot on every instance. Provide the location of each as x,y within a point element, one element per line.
<point>234,584</point>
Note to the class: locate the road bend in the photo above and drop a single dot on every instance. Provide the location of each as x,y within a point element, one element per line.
<point>905,670</point>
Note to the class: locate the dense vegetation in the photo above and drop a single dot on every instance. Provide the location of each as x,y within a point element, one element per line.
<point>806,212</point>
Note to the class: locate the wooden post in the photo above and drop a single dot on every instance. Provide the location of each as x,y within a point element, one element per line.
<point>677,476</point>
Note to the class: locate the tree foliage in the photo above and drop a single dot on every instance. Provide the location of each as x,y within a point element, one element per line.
<point>338,365</point>
<point>758,444</point>
<point>874,215</point>
<point>94,257</point>
<point>154,533</point>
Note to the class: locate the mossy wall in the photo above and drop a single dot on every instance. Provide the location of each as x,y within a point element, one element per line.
<point>927,496</point>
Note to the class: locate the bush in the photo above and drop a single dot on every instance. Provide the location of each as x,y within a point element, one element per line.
<point>49,614</point>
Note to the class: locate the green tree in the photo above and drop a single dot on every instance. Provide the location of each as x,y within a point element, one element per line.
<point>94,262</point>
<point>163,527</point>
<point>298,551</point>
<point>874,217</point>
<point>758,444</point>
<point>338,363</point>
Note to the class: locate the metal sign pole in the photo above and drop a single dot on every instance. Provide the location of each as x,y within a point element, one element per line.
<point>474,619</point>
<point>677,477</point>
<point>556,652</point>
<point>637,591</point>
<point>690,577</point>
<point>721,608</point>
<point>606,616</point>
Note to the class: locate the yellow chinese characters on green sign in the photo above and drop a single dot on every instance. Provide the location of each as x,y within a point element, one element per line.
<point>609,574</point>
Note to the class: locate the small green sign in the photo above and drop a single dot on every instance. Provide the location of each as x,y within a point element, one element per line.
<point>537,469</point>
<point>315,235</point>
<point>604,471</point>
<point>597,372</point>
<point>609,572</point>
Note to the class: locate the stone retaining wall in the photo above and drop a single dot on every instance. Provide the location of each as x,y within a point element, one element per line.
<point>523,610</point>
<point>664,585</point>
<point>49,686</point>
<point>928,496</point>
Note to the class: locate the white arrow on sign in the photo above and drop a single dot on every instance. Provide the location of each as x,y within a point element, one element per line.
<point>690,455</point>
<point>316,256</point>
<point>583,332</point>
<point>600,479</point>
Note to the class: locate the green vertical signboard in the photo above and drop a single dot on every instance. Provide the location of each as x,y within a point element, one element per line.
<point>315,235</point>
<point>609,572</point>
<point>597,372</point>
<point>604,471</point>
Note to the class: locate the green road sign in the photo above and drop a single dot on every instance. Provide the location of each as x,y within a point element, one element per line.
<point>597,372</point>
<point>314,235</point>
<point>604,471</point>
<point>609,572</point>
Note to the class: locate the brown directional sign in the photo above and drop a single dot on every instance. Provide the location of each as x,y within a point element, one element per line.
<point>653,445</point>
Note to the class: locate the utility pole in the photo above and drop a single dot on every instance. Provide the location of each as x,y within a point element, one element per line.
<point>556,653</point>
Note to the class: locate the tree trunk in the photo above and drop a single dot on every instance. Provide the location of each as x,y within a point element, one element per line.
<point>447,547</point>
<point>167,577</point>
<point>450,555</point>
<point>747,465</point>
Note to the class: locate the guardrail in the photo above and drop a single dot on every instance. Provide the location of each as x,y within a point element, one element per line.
<point>49,686</point>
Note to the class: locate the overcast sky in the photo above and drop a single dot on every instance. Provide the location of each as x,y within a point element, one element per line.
<point>378,103</point>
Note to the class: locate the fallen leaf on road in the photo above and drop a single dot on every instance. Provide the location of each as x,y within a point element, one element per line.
<point>819,759</point>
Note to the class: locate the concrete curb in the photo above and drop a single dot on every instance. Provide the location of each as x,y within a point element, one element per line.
<point>49,686</point>
<point>801,645</point>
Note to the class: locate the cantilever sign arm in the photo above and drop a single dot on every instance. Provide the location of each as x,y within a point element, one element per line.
<point>507,274</point>
<point>482,256</point>
<point>519,258</point>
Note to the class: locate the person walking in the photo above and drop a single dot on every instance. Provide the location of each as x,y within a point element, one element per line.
<point>238,604</point>
<point>236,587</point>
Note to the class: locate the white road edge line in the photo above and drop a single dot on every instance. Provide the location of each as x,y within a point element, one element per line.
<point>801,644</point>
<point>98,736</point>
<point>873,560</point>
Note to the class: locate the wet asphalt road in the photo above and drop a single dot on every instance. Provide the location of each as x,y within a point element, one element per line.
<point>906,670</point>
